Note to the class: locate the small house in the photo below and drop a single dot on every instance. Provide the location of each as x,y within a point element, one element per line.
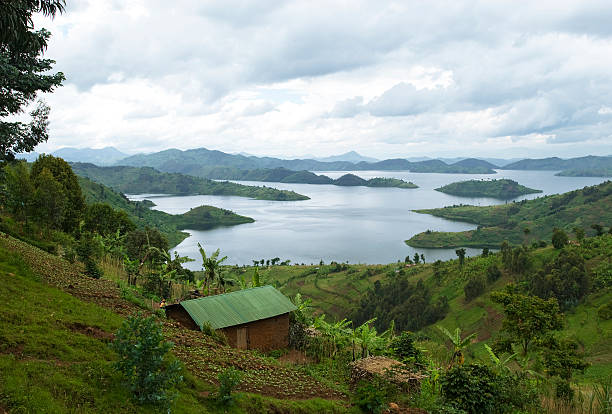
<point>256,318</point>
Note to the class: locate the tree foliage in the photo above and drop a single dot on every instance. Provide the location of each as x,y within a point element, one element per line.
<point>23,74</point>
<point>144,361</point>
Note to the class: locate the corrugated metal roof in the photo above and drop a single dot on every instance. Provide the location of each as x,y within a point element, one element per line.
<point>239,307</point>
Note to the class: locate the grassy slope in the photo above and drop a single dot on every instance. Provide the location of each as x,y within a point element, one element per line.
<point>336,294</point>
<point>146,180</point>
<point>203,217</point>
<point>507,222</point>
<point>502,189</point>
<point>54,328</point>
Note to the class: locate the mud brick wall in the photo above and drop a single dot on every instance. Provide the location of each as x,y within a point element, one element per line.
<point>265,335</point>
<point>179,314</point>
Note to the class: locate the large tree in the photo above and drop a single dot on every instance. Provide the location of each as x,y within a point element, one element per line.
<point>23,74</point>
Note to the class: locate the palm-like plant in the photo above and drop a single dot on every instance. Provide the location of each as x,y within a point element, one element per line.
<point>211,264</point>
<point>500,364</point>
<point>458,344</point>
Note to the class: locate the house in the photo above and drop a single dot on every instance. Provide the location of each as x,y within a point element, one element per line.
<point>256,318</point>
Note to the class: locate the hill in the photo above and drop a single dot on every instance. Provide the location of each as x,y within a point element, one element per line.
<point>503,189</point>
<point>102,156</point>
<point>591,205</point>
<point>55,357</point>
<point>200,218</point>
<point>202,162</point>
<point>589,166</point>
<point>146,180</point>
<point>351,156</point>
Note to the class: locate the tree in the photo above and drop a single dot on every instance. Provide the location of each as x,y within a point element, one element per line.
<point>528,318</point>
<point>461,254</point>
<point>598,228</point>
<point>19,190</point>
<point>211,264</point>
<point>416,258</point>
<point>422,258</point>
<point>526,232</point>
<point>457,343</point>
<point>485,252</point>
<point>73,198</point>
<point>143,361</point>
<point>579,232</point>
<point>23,74</point>
<point>474,287</point>
<point>559,239</point>
<point>50,202</point>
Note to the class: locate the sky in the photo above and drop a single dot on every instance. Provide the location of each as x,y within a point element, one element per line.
<point>388,79</point>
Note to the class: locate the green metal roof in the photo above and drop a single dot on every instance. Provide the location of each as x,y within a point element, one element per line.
<point>239,307</point>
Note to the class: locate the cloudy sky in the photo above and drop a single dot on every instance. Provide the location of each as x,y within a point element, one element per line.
<point>384,78</point>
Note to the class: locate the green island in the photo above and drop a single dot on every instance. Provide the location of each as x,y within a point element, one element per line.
<point>283,175</point>
<point>140,212</point>
<point>522,221</point>
<point>587,172</point>
<point>75,283</point>
<point>147,180</point>
<point>503,189</point>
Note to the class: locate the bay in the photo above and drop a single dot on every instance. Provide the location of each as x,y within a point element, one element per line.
<point>354,224</point>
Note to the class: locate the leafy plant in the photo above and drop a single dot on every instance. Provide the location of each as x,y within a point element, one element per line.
<point>370,397</point>
<point>458,344</point>
<point>144,362</point>
<point>229,379</point>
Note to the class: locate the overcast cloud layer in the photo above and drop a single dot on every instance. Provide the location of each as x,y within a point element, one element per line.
<point>388,79</point>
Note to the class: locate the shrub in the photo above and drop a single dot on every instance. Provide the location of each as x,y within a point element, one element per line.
<point>143,360</point>
<point>474,288</point>
<point>605,311</point>
<point>370,397</point>
<point>493,273</point>
<point>403,347</point>
<point>228,381</point>
<point>92,269</point>
<point>559,239</point>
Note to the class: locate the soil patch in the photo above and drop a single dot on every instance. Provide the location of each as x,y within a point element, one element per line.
<point>295,357</point>
<point>92,331</point>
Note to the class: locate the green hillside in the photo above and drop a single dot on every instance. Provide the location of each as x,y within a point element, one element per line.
<point>140,212</point>
<point>582,208</point>
<point>146,180</point>
<point>589,166</point>
<point>503,189</point>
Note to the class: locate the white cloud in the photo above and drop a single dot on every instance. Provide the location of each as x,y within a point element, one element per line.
<point>388,78</point>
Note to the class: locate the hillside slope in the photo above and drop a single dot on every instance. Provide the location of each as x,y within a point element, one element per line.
<point>503,189</point>
<point>54,355</point>
<point>591,205</point>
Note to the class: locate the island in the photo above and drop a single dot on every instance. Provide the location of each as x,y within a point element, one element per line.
<point>147,180</point>
<point>523,222</point>
<point>170,225</point>
<point>503,189</point>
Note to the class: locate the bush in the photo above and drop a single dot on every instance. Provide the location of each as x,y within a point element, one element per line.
<point>92,269</point>
<point>493,273</point>
<point>470,387</point>
<point>559,239</point>
<point>605,311</point>
<point>143,360</point>
<point>474,288</point>
<point>370,397</point>
<point>403,347</point>
<point>228,381</point>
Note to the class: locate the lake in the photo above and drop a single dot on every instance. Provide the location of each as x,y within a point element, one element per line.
<point>354,224</point>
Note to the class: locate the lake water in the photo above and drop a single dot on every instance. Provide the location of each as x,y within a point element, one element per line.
<point>354,224</point>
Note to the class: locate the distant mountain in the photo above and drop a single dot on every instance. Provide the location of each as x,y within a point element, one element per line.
<point>102,156</point>
<point>350,156</point>
<point>590,162</point>
<point>202,162</point>
<point>29,157</point>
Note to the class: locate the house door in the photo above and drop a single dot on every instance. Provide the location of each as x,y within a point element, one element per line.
<point>241,338</point>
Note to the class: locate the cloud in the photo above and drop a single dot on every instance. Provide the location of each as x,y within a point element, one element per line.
<point>292,77</point>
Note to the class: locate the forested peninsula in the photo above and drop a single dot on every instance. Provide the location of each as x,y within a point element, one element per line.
<point>525,221</point>
<point>141,180</point>
<point>503,189</point>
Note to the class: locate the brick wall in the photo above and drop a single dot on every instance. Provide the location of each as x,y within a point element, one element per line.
<point>179,314</point>
<point>265,335</point>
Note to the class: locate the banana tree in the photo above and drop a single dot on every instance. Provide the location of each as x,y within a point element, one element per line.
<point>458,344</point>
<point>210,264</point>
<point>500,364</point>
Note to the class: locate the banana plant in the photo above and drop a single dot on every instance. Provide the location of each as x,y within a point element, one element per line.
<point>500,364</point>
<point>211,264</point>
<point>458,344</point>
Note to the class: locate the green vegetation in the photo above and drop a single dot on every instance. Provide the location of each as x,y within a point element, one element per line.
<point>579,208</point>
<point>24,75</point>
<point>146,180</point>
<point>589,166</point>
<point>140,212</point>
<point>503,189</point>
